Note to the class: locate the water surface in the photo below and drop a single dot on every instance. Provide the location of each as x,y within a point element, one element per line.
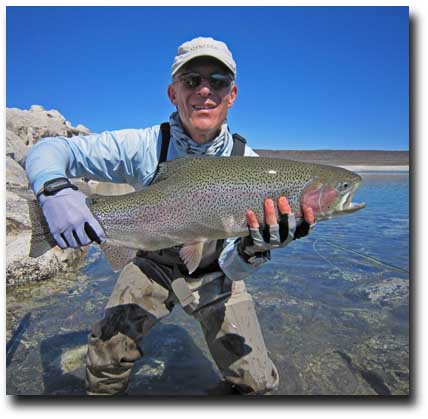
<point>334,310</point>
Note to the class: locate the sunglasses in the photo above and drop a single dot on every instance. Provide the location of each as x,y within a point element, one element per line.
<point>217,81</point>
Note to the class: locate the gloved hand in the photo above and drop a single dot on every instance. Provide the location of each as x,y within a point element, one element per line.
<point>70,221</point>
<point>275,233</point>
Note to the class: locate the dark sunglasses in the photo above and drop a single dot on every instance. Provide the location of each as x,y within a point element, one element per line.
<point>217,81</point>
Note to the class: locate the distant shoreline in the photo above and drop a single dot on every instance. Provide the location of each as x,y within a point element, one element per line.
<point>356,160</point>
<point>377,168</point>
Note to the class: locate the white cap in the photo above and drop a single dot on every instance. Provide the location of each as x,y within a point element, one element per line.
<point>203,47</point>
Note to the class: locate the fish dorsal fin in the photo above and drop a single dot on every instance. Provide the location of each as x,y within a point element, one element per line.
<point>191,255</point>
<point>118,256</point>
<point>171,168</point>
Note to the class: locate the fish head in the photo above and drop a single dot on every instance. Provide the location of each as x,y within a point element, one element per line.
<point>330,193</point>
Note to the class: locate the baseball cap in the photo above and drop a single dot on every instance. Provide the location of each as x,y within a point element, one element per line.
<point>203,47</point>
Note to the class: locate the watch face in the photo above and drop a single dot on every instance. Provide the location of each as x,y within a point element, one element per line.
<point>56,185</point>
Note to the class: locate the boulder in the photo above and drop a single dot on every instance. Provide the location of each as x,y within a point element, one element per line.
<point>35,123</point>
<point>22,269</point>
<point>24,128</point>
<point>15,147</point>
<point>17,216</point>
<point>81,130</point>
<point>15,174</point>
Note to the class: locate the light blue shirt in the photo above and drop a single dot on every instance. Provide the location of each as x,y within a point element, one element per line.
<point>125,156</point>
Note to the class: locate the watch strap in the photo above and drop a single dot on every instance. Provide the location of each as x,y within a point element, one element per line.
<point>51,187</point>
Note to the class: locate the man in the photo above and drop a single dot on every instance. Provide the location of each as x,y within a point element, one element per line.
<point>202,90</point>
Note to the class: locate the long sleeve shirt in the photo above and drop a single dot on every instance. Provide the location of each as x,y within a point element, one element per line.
<point>125,156</point>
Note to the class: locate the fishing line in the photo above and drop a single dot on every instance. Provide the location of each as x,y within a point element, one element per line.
<point>327,260</point>
<point>371,258</point>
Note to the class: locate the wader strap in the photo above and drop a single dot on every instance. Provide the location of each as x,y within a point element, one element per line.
<point>238,148</point>
<point>165,141</point>
<point>238,145</point>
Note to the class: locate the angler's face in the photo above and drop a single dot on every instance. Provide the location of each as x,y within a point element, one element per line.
<point>202,98</point>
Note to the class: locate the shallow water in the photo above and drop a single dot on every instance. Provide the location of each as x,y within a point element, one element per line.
<point>335,322</point>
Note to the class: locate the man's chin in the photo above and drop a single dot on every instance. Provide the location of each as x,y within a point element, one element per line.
<point>204,134</point>
<point>205,125</point>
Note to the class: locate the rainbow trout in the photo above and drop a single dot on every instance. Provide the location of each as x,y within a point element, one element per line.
<point>193,200</point>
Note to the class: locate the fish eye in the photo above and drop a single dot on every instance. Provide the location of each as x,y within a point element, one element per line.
<point>343,186</point>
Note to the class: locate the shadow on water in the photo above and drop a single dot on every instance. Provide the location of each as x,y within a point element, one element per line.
<point>172,365</point>
<point>55,379</point>
<point>14,341</point>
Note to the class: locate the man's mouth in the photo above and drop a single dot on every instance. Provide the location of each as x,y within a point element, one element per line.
<point>203,107</point>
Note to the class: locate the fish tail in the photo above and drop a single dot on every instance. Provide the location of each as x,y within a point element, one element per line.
<point>41,238</point>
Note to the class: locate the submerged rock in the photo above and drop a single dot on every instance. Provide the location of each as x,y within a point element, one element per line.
<point>73,359</point>
<point>152,368</point>
<point>393,291</point>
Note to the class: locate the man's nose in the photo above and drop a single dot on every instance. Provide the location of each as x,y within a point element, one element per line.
<point>204,89</point>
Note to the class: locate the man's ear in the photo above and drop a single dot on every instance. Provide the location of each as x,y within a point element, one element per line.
<point>172,94</point>
<point>232,95</point>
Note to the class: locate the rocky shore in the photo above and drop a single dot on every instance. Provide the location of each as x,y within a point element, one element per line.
<point>23,129</point>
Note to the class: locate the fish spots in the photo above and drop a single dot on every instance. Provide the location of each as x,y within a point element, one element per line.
<point>209,196</point>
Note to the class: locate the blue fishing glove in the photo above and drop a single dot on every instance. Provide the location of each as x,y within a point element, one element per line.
<point>70,221</point>
<point>262,240</point>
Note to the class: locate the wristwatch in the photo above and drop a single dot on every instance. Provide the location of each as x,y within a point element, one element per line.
<point>51,187</point>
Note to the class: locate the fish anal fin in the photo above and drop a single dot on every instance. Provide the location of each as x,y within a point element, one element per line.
<point>118,256</point>
<point>191,255</point>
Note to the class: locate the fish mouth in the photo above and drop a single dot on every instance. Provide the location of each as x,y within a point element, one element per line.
<point>346,205</point>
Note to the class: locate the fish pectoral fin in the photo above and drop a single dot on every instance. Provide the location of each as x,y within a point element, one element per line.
<point>191,255</point>
<point>118,256</point>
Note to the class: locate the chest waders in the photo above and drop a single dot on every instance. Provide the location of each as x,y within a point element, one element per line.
<point>148,289</point>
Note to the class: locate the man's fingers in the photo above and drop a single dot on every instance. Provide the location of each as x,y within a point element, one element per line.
<point>270,214</point>
<point>308,215</point>
<point>69,238</point>
<point>83,238</point>
<point>283,205</point>
<point>60,241</point>
<point>99,231</point>
<point>305,227</point>
<point>269,209</point>
<point>95,234</point>
<point>252,219</point>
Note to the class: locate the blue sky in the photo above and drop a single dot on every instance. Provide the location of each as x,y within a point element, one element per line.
<point>308,77</point>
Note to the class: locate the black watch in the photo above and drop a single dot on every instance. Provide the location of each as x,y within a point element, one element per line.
<point>51,187</point>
